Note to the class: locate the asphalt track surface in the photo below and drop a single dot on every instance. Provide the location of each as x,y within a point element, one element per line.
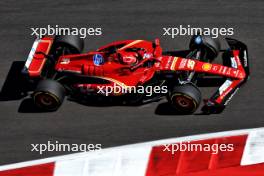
<point>119,125</point>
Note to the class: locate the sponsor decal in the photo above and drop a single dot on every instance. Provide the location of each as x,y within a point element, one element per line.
<point>245,59</point>
<point>157,64</point>
<point>226,84</point>
<point>220,69</point>
<point>233,62</point>
<point>183,63</point>
<point>207,67</point>
<point>98,59</point>
<point>169,62</point>
<point>174,63</point>
<point>225,93</point>
<point>224,70</point>
<point>190,64</point>
<point>231,96</point>
<point>65,61</point>
<point>228,71</point>
<point>236,72</point>
<point>215,68</point>
<point>147,56</point>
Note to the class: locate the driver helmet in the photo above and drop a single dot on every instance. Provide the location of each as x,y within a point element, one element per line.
<point>127,58</point>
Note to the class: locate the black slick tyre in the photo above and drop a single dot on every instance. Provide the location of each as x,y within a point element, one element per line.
<point>185,98</point>
<point>49,95</point>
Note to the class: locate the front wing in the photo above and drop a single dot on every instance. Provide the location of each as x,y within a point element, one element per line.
<point>236,73</point>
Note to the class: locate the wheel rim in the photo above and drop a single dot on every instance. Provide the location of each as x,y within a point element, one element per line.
<point>46,100</point>
<point>183,103</point>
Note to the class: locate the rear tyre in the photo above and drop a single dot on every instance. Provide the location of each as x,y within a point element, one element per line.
<point>70,44</point>
<point>49,95</point>
<point>185,98</point>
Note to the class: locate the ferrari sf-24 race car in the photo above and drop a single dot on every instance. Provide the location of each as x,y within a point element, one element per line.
<point>58,68</point>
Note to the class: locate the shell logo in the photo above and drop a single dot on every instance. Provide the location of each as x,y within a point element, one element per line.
<point>207,67</point>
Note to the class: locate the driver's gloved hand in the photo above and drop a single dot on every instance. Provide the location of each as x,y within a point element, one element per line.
<point>211,107</point>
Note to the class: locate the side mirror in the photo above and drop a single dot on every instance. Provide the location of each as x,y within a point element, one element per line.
<point>157,42</point>
<point>157,49</point>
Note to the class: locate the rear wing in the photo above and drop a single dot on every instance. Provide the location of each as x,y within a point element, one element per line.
<point>36,61</point>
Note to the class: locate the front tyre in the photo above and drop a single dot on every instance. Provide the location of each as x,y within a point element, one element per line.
<point>49,95</point>
<point>185,98</point>
<point>209,47</point>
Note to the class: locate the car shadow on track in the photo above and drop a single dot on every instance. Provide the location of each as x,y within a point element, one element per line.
<point>166,109</point>
<point>27,106</point>
<point>14,87</point>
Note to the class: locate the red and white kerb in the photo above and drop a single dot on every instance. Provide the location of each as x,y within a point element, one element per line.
<point>150,159</point>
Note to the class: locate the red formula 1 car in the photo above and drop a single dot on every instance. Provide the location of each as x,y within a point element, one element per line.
<point>59,68</point>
